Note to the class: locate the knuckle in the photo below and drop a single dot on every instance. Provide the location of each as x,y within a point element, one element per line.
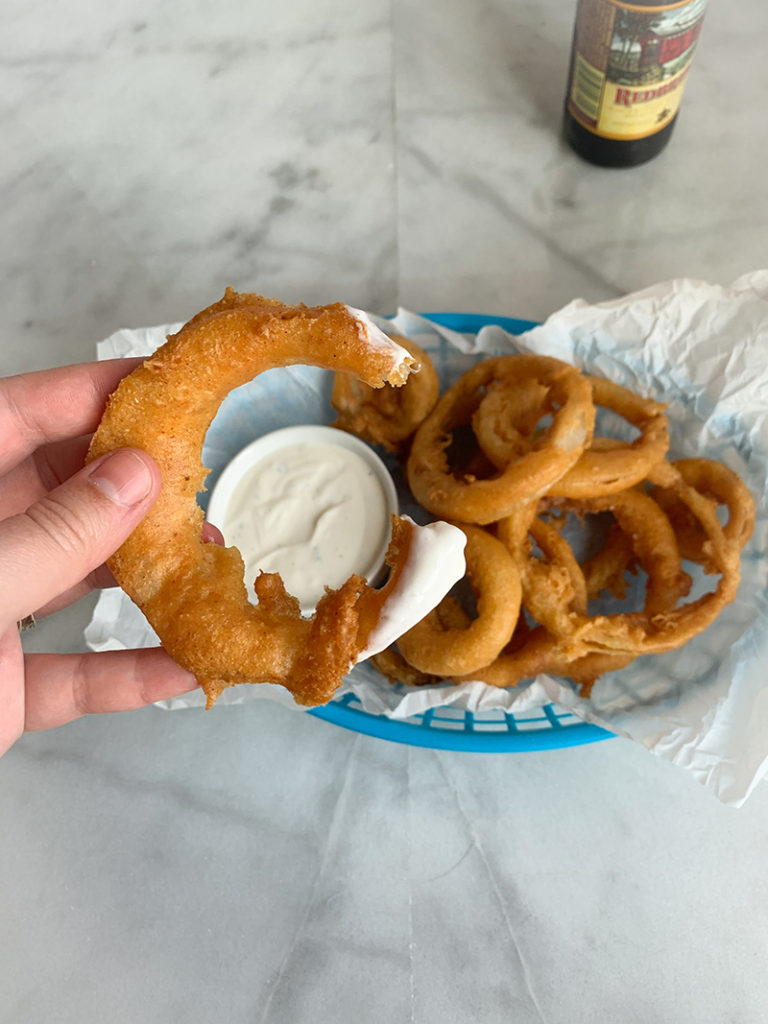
<point>69,528</point>
<point>80,688</point>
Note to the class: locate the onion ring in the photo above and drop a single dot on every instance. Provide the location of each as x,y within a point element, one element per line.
<point>611,468</point>
<point>567,652</point>
<point>391,663</point>
<point>666,584</point>
<point>604,468</point>
<point>432,648</point>
<point>655,631</point>
<point>554,589</point>
<point>487,500</point>
<point>387,415</point>
<point>713,480</point>
<point>193,593</point>
<point>605,569</point>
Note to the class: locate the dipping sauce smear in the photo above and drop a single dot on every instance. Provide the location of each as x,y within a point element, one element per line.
<point>315,513</point>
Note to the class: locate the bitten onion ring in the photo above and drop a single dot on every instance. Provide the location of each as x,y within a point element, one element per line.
<point>193,593</point>
<point>523,479</point>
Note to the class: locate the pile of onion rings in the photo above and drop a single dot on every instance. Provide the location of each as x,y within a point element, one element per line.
<point>509,453</point>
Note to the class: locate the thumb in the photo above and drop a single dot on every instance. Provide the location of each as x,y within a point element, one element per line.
<point>72,530</point>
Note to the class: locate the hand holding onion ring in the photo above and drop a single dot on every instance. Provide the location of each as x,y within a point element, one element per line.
<point>193,593</point>
<point>506,453</point>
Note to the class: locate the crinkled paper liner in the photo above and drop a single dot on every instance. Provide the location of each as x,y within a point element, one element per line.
<point>702,349</point>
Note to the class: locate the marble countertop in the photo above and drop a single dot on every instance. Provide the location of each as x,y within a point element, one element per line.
<point>258,866</point>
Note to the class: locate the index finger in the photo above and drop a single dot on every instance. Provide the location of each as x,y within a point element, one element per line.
<point>51,405</point>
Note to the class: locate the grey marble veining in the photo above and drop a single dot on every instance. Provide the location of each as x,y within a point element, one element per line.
<point>150,167</point>
<point>257,866</point>
<point>523,225</point>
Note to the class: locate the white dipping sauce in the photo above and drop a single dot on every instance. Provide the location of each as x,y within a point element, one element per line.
<point>315,513</point>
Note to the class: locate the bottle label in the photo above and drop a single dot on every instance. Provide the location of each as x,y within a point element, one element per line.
<point>630,64</point>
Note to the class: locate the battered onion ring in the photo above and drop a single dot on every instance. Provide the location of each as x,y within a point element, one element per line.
<point>713,480</point>
<point>665,586</point>
<point>432,648</point>
<point>612,468</point>
<point>650,632</point>
<point>554,589</point>
<point>607,466</point>
<point>193,593</point>
<point>387,416</point>
<point>506,419</point>
<point>394,666</point>
<point>552,455</point>
<point>605,569</point>
<point>570,653</point>
<point>653,541</point>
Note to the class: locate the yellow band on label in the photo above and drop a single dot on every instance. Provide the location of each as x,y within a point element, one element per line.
<point>631,64</point>
<point>628,113</point>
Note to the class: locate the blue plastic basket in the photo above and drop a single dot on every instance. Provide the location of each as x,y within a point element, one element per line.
<point>489,732</point>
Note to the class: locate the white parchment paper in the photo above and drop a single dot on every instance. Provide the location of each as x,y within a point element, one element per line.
<point>702,349</point>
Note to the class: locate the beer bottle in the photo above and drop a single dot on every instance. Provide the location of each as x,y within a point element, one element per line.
<point>629,64</point>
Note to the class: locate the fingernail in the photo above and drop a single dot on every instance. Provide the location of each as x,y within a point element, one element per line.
<point>123,477</point>
<point>212,534</point>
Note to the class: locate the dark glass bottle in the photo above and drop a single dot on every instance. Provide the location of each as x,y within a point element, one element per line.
<point>629,65</point>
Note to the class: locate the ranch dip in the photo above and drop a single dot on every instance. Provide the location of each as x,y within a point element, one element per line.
<point>316,513</point>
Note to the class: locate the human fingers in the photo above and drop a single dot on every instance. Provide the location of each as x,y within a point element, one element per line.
<point>212,534</point>
<point>11,687</point>
<point>40,472</point>
<point>68,533</point>
<point>50,405</point>
<point>101,577</point>
<point>62,687</point>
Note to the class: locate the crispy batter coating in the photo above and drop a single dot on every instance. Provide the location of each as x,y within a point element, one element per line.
<point>193,593</point>
<point>505,420</point>
<point>527,422</point>
<point>387,416</point>
<point>439,645</point>
<point>712,480</point>
<point>520,479</point>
